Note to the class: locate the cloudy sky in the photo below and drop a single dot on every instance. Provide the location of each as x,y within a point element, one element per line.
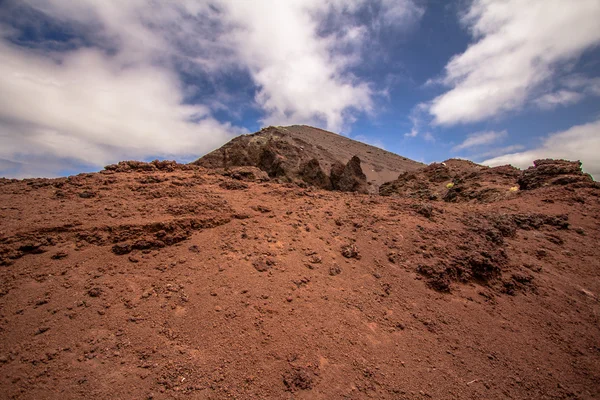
<point>85,83</point>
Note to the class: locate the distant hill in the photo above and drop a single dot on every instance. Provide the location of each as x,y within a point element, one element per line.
<point>293,146</point>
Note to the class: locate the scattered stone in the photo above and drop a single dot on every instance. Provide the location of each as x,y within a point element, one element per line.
<point>95,292</point>
<point>60,255</point>
<point>41,302</point>
<point>393,257</point>
<point>263,264</point>
<point>87,195</point>
<point>32,248</point>
<point>315,259</point>
<point>298,378</point>
<point>424,209</point>
<point>41,330</point>
<point>335,270</point>
<point>351,251</point>
<point>233,185</point>
<point>121,249</point>
<point>262,209</point>
<point>251,174</point>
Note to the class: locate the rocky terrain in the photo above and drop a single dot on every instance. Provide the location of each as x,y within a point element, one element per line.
<point>317,157</point>
<point>160,280</point>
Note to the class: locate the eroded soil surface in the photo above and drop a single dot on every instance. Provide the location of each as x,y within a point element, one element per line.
<point>180,282</point>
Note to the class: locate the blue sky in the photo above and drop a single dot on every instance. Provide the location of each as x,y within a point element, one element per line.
<point>86,83</point>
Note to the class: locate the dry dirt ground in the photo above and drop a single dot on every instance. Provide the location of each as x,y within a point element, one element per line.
<point>184,283</point>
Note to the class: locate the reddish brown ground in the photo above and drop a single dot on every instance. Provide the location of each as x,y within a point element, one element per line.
<point>248,294</point>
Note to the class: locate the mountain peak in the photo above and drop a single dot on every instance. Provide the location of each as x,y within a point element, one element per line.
<point>283,151</point>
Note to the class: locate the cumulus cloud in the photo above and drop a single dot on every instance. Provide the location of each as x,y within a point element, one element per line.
<point>85,107</point>
<point>127,79</point>
<point>581,142</point>
<point>298,79</point>
<point>519,48</point>
<point>479,139</point>
<point>303,75</point>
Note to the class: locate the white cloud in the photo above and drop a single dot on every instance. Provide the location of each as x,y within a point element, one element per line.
<point>298,80</point>
<point>519,46</point>
<point>115,92</point>
<point>87,108</point>
<point>302,76</point>
<point>479,139</point>
<point>581,142</point>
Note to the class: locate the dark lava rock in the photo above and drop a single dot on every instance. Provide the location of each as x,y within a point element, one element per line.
<point>233,185</point>
<point>121,248</point>
<point>311,173</point>
<point>298,379</point>
<point>263,264</point>
<point>250,174</point>
<point>32,248</point>
<point>437,172</point>
<point>272,162</point>
<point>349,178</point>
<point>439,277</point>
<point>351,251</point>
<point>425,209</point>
<point>335,270</point>
<point>59,255</point>
<point>95,292</point>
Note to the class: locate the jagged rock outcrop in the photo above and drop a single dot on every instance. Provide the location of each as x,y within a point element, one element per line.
<point>272,163</point>
<point>554,172</point>
<point>349,178</point>
<point>485,185</point>
<point>458,181</point>
<point>156,165</point>
<point>312,173</point>
<point>455,181</point>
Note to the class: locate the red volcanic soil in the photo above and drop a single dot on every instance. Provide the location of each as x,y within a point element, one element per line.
<point>155,281</point>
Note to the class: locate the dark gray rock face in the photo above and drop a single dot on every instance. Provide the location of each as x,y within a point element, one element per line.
<point>349,178</point>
